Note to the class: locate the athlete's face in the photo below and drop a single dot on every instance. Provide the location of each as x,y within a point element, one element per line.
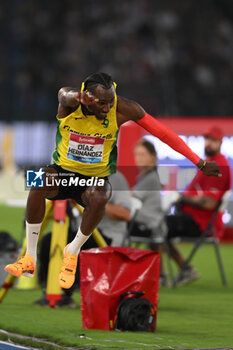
<point>106,99</point>
<point>212,146</point>
<point>143,158</point>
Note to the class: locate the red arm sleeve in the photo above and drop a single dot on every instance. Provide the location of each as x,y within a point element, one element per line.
<point>167,136</point>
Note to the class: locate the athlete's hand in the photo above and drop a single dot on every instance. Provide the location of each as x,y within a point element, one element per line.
<point>211,169</point>
<point>86,98</point>
<point>69,97</point>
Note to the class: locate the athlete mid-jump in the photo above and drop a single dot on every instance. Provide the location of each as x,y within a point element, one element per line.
<point>88,124</point>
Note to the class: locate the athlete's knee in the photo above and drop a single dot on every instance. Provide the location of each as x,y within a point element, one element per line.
<point>100,196</point>
<point>99,199</point>
<point>97,196</point>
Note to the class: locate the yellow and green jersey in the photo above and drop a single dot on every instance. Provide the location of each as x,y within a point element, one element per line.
<point>87,145</point>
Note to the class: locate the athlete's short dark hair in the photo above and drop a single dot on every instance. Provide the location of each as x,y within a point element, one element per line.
<point>103,79</point>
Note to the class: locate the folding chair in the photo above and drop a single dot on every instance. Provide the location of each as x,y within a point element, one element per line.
<point>130,238</point>
<point>208,236</point>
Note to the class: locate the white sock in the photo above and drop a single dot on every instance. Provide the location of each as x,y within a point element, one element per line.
<point>78,241</point>
<point>32,234</point>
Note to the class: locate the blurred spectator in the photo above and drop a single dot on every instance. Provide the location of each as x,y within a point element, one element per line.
<point>117,210</point>
<point>147,189</point>
<point>150,219</point>
<point>199,202</point>
<point>179,53</point>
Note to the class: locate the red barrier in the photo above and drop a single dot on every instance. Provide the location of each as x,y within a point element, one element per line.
<point>106,273</point>
<point>227,236</point>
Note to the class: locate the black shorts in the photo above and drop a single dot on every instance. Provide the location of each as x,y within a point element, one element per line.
<point>182,225</point>
<point>72,191</point>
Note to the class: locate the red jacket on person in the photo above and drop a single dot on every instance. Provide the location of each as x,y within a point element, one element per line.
<point>209,186</point>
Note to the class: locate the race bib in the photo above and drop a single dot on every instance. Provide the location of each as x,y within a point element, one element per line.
<point>85,149</point>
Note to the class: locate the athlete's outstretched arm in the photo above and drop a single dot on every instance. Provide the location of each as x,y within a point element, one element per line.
<point>130,110</point>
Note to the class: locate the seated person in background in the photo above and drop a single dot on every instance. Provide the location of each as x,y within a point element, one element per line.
<point>147,189</point>
<point>117,210</point>
<point>199,201</point>
<point>150,220</point>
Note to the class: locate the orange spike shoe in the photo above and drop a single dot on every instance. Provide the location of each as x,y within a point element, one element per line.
<point>24,266</point>
<point>67,274</point>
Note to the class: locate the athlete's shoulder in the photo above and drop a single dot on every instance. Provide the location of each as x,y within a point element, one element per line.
<point>129,109</point>
<point>123,102</point>
<point>63,112</point>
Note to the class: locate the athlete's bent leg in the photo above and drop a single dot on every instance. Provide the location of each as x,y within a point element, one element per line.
<point>34,216</point>
<point>95,199</point>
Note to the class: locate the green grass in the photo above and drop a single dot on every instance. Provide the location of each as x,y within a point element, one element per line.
<point>11,220</point>
<point>195,316</point>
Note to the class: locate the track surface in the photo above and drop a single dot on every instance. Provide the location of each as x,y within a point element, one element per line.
<point>8,346</point>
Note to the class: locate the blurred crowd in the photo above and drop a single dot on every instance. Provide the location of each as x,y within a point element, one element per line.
<point>172,56</point>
